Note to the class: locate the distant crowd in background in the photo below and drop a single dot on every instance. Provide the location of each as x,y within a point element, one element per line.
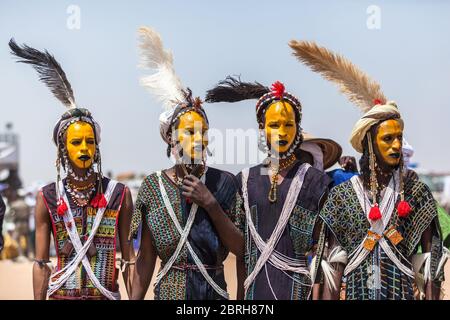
<point>17,219</point>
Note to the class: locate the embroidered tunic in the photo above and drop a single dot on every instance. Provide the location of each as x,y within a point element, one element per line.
<point>296,240</point>
<point>79,286</point>
<point>377,277</point>
<point>183,280</point>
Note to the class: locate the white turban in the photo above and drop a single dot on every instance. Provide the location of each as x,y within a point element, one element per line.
<point>369,119</point>
<point>408,152</point>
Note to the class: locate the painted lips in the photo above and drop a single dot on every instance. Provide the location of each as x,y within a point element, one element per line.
<point>84,158</point>
<point>395,155</point>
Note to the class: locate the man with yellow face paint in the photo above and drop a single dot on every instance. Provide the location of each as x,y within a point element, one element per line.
<point>185,211</point>
<point>281,197</point>
<point>85,211</point>
<point>376,222</point>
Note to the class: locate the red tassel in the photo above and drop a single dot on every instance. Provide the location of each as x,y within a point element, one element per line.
<point>375,213</point>
<point>95,201</point>
<point>62,207</point>
<point>404,209</point>
<point>102,201</point>
<point>277,89</point>
<point>188,200</point>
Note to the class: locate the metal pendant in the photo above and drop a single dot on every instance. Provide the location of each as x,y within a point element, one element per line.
<point>273,193</point>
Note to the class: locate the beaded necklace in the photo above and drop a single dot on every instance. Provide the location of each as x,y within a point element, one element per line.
<point>276,168</point>
<point>80,195</point>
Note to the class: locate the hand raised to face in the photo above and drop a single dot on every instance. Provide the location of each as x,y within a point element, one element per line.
<point>194,189</point>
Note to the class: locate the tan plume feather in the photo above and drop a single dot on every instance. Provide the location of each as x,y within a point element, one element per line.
<point>354,83</point>
<point>164,84</point>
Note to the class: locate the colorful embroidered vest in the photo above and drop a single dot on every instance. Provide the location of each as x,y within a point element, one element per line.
<point>79,286</point>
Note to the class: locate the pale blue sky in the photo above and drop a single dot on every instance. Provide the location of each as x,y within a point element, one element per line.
<point>409,56</point>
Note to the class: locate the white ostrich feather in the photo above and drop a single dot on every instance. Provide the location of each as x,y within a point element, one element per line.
<point>164,84</point>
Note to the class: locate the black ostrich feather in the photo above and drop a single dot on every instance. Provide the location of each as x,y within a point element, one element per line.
<point>232,89</point>
<point>49,70</point>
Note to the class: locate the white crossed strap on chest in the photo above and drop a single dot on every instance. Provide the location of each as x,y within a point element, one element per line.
<point>61,276</point>
<point>387,208</point>
<point>184,233</point>
<point>267,249</point>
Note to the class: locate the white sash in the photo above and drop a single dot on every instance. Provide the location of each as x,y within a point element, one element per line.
<point>379,226</point>
<point>81,249</point>
<point>184,233</point>
<point>268,252</point>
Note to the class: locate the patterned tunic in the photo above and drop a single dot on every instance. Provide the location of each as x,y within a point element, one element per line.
<point>79,286</point>
<point>181,283</point>
<point>297,239</point>
<point>347,221</point>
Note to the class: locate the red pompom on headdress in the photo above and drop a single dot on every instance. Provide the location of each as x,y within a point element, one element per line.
<point>375,213</point>
<point>277,89</point>
<point>377,101</point>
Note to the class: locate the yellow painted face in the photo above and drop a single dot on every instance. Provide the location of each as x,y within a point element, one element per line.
<point>389,141</point>
<point>280,126</point>
<point>80,144</point>
<point>191,135</point>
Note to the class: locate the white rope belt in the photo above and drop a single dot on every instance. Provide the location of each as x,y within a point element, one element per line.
<point>268,252</point>
<point>184,233</point>
<point>80,249</point>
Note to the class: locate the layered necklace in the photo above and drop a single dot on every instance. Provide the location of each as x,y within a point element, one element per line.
<point>276,167</point>
<point>80,195</point>
<point>78,178</point>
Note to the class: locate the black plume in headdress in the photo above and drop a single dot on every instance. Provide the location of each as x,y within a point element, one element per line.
<point>49,70</point>
<point>233,89</point>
